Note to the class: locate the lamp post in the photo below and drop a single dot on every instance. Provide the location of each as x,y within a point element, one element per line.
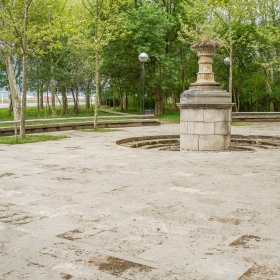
<point>227,63</point>
<point>143,57</point>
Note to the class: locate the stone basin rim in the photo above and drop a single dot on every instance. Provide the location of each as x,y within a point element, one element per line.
<point>168,142</point>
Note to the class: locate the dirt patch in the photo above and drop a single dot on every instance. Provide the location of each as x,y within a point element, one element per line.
<point>71,235</point>
<point>66,276</point>
<point>6,175</point>
<point>35,264</point>
<point>117,267</point>
<point>225,220</point>
<point>84,170</point>
<point>261,272</point>
<point>246,241</point>
<point>63,179</point>
<point>50,166</point>
<point>14,218</point>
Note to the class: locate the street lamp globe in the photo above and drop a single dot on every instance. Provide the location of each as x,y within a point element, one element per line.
<point>227,61</point>
<point>143,57</point>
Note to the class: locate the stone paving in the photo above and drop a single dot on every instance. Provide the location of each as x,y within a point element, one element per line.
<point>86,208</point>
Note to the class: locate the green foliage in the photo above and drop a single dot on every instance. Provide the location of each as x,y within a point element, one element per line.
<point>31,113</point>
<point>241,124</point>
<point>62,45</point>
<point>10,140</point>
<point>169,116</point>
<point>4,115</point>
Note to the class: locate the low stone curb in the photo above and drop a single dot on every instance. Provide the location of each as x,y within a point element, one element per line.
<point>39,128</point>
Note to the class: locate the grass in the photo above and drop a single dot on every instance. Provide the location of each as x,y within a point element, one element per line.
<point>66,121</point>
<point>241,124</point>
<point>131,110</point>
<point>100,130</point>
<point>169,115</point>
<point>10,140</point>
<point>32,113</point>
<point>4,115</point>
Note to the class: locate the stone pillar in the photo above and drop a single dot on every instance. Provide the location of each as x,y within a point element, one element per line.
<point>205,109</point>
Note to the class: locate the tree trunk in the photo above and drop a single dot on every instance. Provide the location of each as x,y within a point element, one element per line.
<point>114,100</point>
<point>121,100</point>
<point>174,106</point>
<point>183,73</point>
<point>268,88</point>
<point>24,90</point>
<point>120,94</point>
<point>230,54</point>
<point>10,105</point>
<point>237,95</point>
<point>271,102</point>
<point>74,100</point>
<point>27,4</point>
<point>76,106</point>
<point>38,100</point>
<point>126,101</point>
<point>96,90</point>
<point>87,90</point>
<point>96,67</point>
<point>267,83</point>
<point>159,100</point>
<point>13,85</point>
<point>42,96</point>
<point>53,97</point>
<point>64,107</point>
<point>47,111</point>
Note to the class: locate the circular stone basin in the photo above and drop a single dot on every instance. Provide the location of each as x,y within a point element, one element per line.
<point>172,142</point>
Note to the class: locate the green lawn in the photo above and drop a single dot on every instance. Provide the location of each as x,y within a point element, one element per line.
<point>32,113</point>
<point>169,115</point>
<point>241,124</point>
<point>10,140</point>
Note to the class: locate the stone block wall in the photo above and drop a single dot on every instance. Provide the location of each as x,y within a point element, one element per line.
<point>205,129</point>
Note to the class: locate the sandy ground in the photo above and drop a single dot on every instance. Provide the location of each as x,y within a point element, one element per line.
<point>86,208</point>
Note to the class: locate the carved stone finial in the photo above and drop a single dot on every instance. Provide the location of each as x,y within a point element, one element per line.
<point>206,47</point>
<point>205,76</point>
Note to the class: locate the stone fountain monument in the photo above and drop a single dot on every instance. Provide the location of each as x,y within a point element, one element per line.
<point>205,109</point>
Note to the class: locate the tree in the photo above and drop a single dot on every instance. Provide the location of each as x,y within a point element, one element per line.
<point>162,46</point>
<point>265,15</point>
<point>106,19</point>
<point>21,40</point>
<point>14,22</point>
<point>221,21</point>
